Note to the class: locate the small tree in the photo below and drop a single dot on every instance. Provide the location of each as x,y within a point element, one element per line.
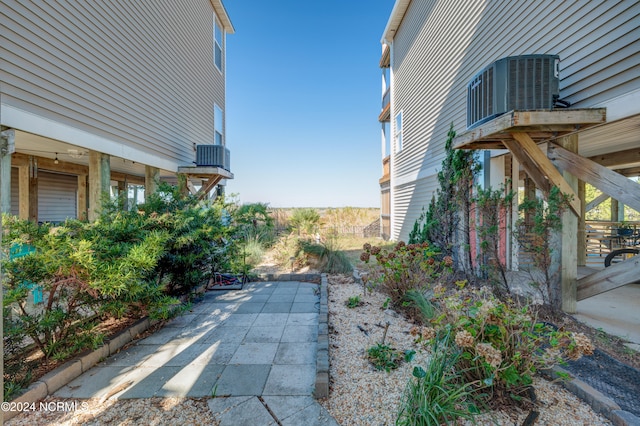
<point>305,221</point>
<point>450,206</point>
<point>492,206</point>
<point>535,239</point>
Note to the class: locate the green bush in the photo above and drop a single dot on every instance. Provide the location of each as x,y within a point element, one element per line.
<point>328,256</point>
<point>126,263</point>
<point>438,393</point>
<point>502,344</point>
<point>404,268</point>
<point>305,221</point>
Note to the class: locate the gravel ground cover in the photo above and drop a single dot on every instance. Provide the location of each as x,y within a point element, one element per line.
<point>127,412</point>
<point>361,395</point>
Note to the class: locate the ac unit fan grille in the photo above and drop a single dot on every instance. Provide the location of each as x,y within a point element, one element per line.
<point>527,82</point>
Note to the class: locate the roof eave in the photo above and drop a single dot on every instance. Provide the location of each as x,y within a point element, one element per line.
<point>399,8</point>
<point>222,15</point>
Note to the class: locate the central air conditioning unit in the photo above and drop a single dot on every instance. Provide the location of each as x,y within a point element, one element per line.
<point>212,156</point>
<point>527,82</point>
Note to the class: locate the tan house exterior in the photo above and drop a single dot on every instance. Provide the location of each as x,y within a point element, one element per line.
<point>107,96</point>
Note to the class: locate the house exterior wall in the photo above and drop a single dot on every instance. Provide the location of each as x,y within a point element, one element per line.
<point>439,45</point>
<point>132,79</point>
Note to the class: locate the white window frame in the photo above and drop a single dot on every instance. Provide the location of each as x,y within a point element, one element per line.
<point>218,125</point>
<point>397,132</point>
<point>218,43</point>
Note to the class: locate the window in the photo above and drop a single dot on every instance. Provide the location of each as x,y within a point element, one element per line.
<point>397,136</point>
<point>218,117</point>
<point>217,44</point>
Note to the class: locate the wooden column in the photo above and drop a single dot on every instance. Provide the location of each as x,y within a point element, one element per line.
<point>99,181</point>
<point>582,225</point>
<point>5,175</point>
<point>82,198</point>
<point>183,186</point>
<point>529,194</point>
<point>33,189</point>
<point>614,210</point>
<point>23,192</point>
<point>569,240</point>
<point>151,180</point>
<point>123,193</point>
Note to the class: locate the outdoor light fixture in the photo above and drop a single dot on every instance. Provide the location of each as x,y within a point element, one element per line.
<point>56,160</point>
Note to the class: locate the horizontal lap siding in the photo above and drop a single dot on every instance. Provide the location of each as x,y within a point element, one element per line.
<point>138,73</point>
<point>441,45</point>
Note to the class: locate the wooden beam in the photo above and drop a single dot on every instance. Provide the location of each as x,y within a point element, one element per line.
<point>617,158</point>
<point>204,190</point>
<point>629,171</point>
<point>540,125</point>
<point>130,179</point>
<point>192,188</point>
<point>596,202</point>
<point>606,180</point>
<point>548,169</point>
<point>49,164</point>
<point>614,276</point>
<point>528,165</point>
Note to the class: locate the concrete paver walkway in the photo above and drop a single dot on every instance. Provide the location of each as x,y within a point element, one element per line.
<point>252,350</point>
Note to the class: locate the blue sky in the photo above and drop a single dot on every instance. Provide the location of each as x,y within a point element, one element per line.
<point>303,96</point>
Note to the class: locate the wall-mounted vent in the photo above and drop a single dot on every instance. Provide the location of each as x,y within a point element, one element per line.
<point>527,82</point>
<point>213,156</point>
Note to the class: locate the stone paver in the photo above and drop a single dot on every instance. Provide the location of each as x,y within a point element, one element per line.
<point>247,349</point>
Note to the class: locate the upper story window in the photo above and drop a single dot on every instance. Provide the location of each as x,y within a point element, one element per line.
<point>397,132</point>
<point>217,44</point>
<point>218,117</point>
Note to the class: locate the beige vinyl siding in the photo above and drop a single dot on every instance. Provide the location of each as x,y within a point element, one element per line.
<point>139,73</point>
<point>441,45</point>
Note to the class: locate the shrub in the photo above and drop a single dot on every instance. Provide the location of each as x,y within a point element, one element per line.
<point>403,268</point>
<point>305,221</point>
<point>502,345</point>
<point>437,394</point>
<point>329,258</point>
<point>354,302</point>
<point>384,357</point>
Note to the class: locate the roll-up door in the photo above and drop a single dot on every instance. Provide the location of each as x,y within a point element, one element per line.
<point>57,198</point>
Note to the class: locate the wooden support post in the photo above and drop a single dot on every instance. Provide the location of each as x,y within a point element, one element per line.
<point>33,189</point>
<point>582,226</point>
<point>82,198</point>
<point>123,193</point>
<point>23,192</point>
<point>5,175</point>
<point>614,210</point>
<point>151,180</point>
<point>529,194</point>
<point>183,187</point>
<point>99,181</point>
<point>569,258</point>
